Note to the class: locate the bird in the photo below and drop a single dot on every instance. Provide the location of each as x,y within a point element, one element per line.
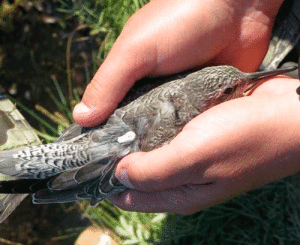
<point>81,163</point>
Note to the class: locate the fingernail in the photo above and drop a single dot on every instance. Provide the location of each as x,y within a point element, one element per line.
<point>81,108</point>
<point>123,178</point>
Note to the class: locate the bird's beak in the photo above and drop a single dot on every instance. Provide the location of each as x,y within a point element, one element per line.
<point>256,76</point>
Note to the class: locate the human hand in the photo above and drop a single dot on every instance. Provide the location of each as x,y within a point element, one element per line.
<point>167,37</point>
<point>229,149</point>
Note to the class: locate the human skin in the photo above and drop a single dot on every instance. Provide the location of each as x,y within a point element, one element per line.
<point>227,150</point>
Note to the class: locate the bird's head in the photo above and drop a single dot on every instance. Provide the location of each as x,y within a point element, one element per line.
<point>216,84</point>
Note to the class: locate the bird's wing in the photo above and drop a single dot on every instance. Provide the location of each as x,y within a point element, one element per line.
<point>94,182</point>
<point>70,179</point>
<point>85,184</point>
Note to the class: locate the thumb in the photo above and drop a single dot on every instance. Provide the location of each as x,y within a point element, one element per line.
<point>108,87</point>
<point>167,167</point>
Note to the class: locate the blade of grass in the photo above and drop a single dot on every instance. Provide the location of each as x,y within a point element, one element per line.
<point>51,116</point>
<point>59,91</point>
<point>4,241</point>
<point>76,95</point>
<point>35,116</point>
<point>46,136</point>
<point>65,109</point>
<point>68,61</point>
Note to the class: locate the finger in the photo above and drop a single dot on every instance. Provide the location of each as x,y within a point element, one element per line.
<point>183,200</point>
<point>167,167</point>
<point>109,86</point>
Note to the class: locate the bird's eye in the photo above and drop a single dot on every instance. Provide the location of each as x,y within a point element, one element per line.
<point>229,90</point>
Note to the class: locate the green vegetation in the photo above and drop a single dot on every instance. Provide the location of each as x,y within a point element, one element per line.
<point>105,17</point>
<point>268,215</point>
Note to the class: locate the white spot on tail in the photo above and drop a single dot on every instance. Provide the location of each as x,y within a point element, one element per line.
<point>128,137</point>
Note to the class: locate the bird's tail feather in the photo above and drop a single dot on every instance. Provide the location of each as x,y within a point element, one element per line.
<point>20,186</point>
<point>47,196</point>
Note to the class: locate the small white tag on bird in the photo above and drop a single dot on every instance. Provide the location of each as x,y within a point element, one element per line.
<point>128,137</point>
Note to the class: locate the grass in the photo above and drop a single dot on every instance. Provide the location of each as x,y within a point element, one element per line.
<point>62,120</point>
<point>105,17</point>
<point>268,215</point>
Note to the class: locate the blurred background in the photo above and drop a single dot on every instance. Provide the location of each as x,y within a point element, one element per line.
<point>49,51</point>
